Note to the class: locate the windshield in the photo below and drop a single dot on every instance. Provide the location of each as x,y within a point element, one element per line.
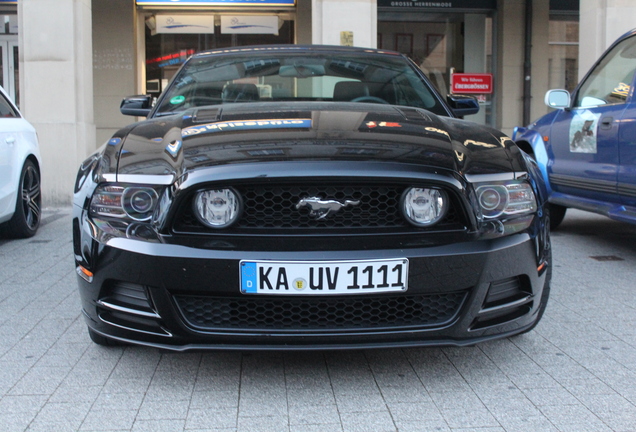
<point>297,76</point>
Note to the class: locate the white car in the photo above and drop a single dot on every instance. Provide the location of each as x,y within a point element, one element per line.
<point>20,197</point>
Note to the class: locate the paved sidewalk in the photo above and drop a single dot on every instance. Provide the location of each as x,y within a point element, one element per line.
<point>575,372</point>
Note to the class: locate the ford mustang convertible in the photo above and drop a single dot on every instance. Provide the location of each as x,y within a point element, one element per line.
<point>296,197</point>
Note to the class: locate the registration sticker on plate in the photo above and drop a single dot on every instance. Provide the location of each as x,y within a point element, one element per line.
<point>324,277</point>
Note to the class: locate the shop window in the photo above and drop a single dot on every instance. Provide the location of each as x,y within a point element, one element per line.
<point>166,52</point>
<point>441,43</point>
<point>564,52</point>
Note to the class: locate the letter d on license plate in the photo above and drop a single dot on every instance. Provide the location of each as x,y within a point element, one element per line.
<point>324,277</point>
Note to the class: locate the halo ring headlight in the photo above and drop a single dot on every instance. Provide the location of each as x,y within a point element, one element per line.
<point>217,208</point>
<point>505,198</point>
<point>139,202</point>
<point>424,207</point>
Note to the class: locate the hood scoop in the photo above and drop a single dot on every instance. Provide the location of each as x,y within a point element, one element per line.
<point>208,115</point>
<point>415,115</point>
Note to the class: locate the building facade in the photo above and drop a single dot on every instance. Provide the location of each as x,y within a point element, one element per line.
<point>68,63</point>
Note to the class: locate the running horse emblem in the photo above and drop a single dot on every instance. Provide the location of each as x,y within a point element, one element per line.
<point>320,208</point>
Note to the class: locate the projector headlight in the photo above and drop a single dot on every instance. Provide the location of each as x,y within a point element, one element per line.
<point>511,197</point>
<point>124,202</point>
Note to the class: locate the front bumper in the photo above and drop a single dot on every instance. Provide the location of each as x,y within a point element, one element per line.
<point>159,294</point>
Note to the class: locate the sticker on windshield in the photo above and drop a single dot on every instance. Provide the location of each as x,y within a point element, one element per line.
<point>583,132</point>
<point>177,100</point>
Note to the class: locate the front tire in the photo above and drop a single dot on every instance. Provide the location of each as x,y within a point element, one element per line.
<point>28,208</point>
<point>557,213</point>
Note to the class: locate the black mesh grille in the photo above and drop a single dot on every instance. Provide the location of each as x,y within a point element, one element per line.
<point>342,313</point>
<point>274,207</point>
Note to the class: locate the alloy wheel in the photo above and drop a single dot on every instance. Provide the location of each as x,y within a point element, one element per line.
<point>31,197</point>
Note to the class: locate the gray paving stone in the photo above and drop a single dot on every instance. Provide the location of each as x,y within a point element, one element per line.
<point>16,421</point>
<point>263,424</point>
<point>316,428</point>
<point>263,406</point>
<point>408,412</point>
<point>379,421</point>
<point>168,393</point>
<point>207,419</point>
<point>109,420</point>
<point>360,402</point>
<point>214,400</point>
<point>76,394</point>
<point>69,415</point>
<point>314,415</point>
<point>407,394</point>
<point>118,401</point>
<point>158,425</point>
<point>163,410</point>
<point>22,404</point>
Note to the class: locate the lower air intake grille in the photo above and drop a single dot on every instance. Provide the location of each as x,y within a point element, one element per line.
<point>307,314</point>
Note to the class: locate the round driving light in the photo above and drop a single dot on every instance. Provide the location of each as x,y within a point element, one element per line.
<point>424,206</point>
<point>218,208</point>
<point>139,203</point>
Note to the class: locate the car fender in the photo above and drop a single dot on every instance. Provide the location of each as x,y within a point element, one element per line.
<point>25,147</point>
<point>531,141</point>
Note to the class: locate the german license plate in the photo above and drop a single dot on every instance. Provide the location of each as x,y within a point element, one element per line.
<point>324,277</point>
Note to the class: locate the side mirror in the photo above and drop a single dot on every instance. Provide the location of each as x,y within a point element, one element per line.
<point>462,105</point>
<point>557,98</point>
<point>139,105</point>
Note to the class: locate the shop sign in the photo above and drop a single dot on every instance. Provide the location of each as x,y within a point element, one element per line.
<point>215,2</point>
<point>196,24</point>
<point>241,24</point>
<point>478,83</point>
<point>171,59</point>
<point>447,4</point>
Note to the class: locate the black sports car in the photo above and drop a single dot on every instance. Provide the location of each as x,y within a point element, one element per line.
<point>306,197</point>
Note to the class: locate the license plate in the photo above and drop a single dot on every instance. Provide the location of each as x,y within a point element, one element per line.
<point>324,277</point>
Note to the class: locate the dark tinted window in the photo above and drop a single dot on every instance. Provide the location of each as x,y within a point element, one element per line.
<point>6,110</point>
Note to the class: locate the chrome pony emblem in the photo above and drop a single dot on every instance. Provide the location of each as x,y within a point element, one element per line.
<point>320,208</point>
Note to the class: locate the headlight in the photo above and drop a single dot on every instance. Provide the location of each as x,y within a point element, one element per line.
<point>120,201</point>
<point>424,206</point>
<point>217,208</point>
<point>512,197</point>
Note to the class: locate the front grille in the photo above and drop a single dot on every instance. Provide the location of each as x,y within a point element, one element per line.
<point>320,314</point>
<point>273,207</point>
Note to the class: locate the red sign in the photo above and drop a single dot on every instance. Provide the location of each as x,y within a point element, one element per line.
<point>471,83</point>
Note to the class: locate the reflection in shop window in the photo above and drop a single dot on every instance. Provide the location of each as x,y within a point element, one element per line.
<point>438,42</point>
<point>564,53</point>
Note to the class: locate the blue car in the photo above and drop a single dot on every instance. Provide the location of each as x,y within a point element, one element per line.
<point>586,148</point>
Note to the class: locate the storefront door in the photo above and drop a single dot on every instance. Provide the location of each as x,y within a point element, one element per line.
<point>9,67</point>
<point>443,38</point>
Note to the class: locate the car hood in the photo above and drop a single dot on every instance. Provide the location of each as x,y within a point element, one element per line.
<point>252,133</point>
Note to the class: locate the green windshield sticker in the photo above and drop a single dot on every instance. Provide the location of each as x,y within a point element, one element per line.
<point>177,100</point>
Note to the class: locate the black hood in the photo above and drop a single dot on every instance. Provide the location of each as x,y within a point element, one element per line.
<point>258,132</point>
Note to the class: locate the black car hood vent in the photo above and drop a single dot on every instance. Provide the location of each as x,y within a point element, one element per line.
<point>416,115</point>
<point>206,115</point>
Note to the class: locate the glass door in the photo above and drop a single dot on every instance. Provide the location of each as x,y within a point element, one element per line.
<point>9,68</point>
